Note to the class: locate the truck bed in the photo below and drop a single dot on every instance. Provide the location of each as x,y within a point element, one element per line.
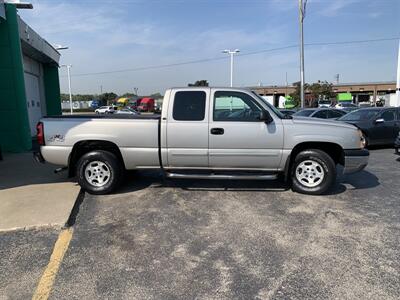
<point>136,136</point>
<point>106,116</point>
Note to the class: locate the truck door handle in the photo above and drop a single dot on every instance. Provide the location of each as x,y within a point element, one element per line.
<point>217,131</point>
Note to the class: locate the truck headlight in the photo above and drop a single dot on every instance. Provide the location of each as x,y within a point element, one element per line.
<point>363,142</point>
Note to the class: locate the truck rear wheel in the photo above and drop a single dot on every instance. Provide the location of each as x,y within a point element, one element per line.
<point>313,172</point>
<point>99,172</point>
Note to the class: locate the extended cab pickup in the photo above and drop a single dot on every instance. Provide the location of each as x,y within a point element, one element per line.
<point>217,133</point>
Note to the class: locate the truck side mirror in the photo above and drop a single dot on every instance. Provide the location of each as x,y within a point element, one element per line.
<point>265,117</point>
<point>380,120</point>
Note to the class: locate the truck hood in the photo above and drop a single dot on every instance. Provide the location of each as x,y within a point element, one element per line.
<point>321,122</point>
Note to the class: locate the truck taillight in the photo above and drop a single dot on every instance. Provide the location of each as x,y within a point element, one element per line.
<point>40,133</point>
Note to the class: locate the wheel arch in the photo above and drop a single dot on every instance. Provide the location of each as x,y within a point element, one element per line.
<point>82,147</point>
<point>335,151</point>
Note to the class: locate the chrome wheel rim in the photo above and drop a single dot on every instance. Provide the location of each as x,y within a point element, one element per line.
<point>310,173</point>
<point>97,173</point>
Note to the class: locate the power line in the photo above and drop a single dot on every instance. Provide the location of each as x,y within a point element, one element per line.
<point>224,58</point>
<point>152,67</point>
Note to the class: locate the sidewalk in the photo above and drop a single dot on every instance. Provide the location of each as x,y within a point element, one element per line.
<point>31,195</point>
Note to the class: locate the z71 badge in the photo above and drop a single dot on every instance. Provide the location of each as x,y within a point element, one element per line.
<point>56,138</point>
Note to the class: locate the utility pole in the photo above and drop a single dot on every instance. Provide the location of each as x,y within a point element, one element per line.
<point>286,85</point>
<point>398,79</point>
<point>337,78</point>
<point>231,53</point>
<point>69,86</point>
<point>136,90</point>
<point>58,48</point>
<point>101,89</point>
<point>302,14</point>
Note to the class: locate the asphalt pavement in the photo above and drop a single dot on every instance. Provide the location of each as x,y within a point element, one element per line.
<point>23,257</point>
<point>187,239</point>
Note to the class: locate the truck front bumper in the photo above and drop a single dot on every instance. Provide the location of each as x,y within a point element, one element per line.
<point>355,160</point>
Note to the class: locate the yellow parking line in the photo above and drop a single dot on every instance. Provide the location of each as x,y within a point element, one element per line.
<point>49,275</point>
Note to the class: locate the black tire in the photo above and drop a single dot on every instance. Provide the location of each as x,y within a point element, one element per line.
<point>112,166</point>
<point>326,165</point>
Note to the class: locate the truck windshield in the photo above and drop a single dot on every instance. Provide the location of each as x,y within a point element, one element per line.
<point>273,108</point>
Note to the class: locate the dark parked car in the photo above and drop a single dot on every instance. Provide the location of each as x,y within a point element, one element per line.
<point>380,126</point>
<point>321,113</point>
<point>287,111</point>
<point>397,144</point>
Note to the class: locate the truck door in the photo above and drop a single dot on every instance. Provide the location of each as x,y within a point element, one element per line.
<point>237,138</point>
<point>187,129</point>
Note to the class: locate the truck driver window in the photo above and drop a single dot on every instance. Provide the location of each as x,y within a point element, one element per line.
<point>235,106</point>
<point>189,106</point>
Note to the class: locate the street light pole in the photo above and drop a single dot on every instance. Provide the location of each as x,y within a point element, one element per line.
<point>69,85</point>
<point>398,79</point>
<point>60,47</point>
<point>286,85</point>
<point>302,13</point>
<point>231,69</point>
<point>231,53</point>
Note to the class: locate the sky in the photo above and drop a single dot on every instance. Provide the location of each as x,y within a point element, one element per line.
<point>135,38</point>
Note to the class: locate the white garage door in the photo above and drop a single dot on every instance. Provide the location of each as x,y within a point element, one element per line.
<point>33,100</point>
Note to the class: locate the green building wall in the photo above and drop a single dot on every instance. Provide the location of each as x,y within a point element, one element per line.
<point>14,123</point>
<point>52,90</point>
<point>15,134</point>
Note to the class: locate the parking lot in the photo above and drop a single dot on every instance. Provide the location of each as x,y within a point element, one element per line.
<point>158,239</point>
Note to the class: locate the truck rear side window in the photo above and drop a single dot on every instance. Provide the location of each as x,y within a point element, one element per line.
<point>189,106</point>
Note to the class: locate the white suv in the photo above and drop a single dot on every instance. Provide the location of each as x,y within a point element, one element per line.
<point>345,105</point>
<point>105,110</point>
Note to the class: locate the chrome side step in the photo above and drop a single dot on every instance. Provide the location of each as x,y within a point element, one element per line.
<point>221,176</point>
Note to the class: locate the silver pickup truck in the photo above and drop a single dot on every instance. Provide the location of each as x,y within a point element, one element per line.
<point>216,133</point>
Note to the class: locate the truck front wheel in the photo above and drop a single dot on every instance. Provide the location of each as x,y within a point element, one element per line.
<point>99,172</point>
<point>313,172</point>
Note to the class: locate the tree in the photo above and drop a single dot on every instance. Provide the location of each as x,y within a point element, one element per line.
<point>321,90</point>
<point>108,97</point>
<point>199,83</point>
<point>296,94</point>
<point>64,97</point>
<point>317,90</point>
<point>128,95</point>
<point>77,97</point>
<point>156,96</point>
